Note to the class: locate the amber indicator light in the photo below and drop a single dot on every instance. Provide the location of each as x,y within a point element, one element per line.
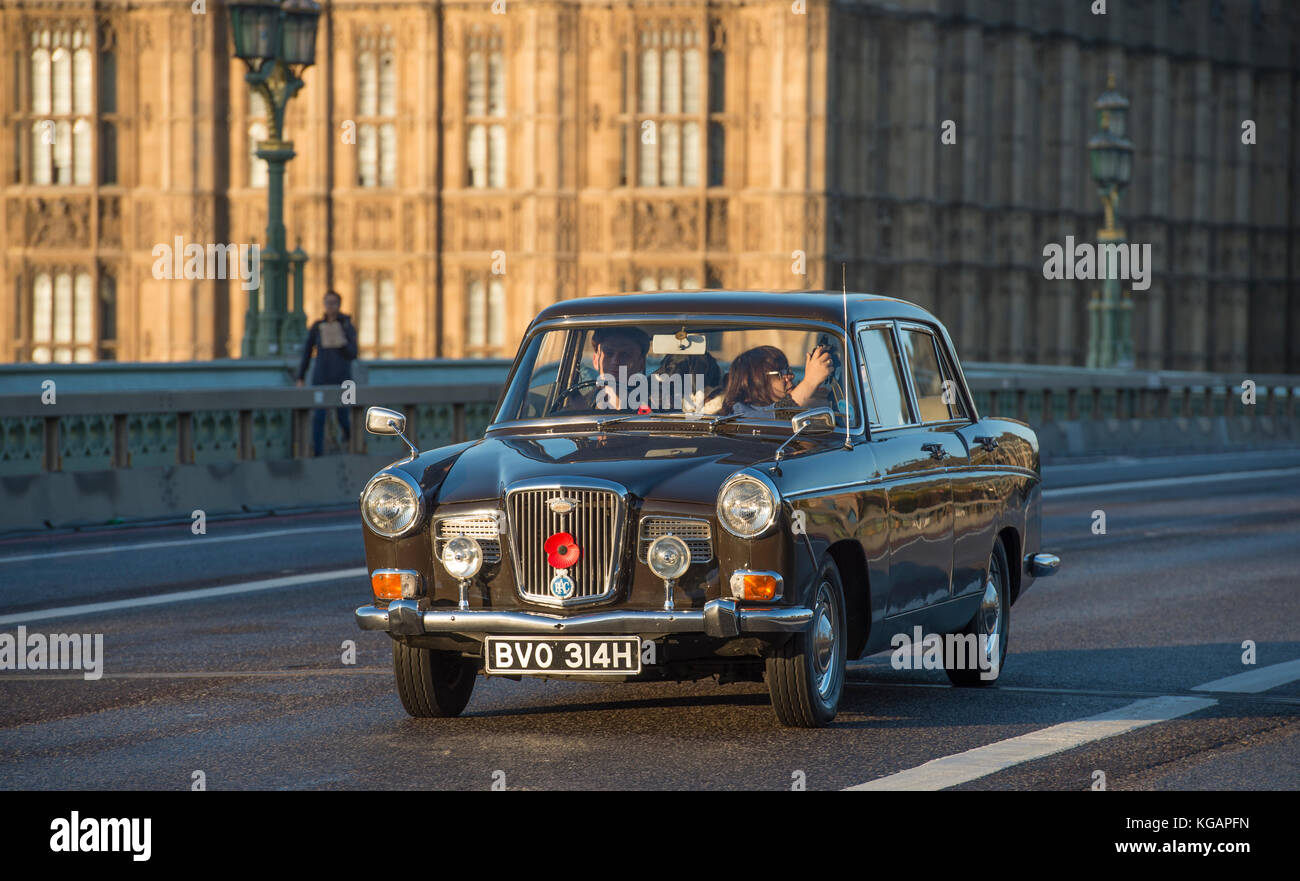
<point>387,585</point>
<point>759,587</point>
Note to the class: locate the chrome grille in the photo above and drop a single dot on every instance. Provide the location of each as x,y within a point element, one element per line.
<point>695,533</point>
<point>481,527</point>
<point>596,524</point>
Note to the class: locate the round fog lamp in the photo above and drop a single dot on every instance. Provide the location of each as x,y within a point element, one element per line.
<point>668,557</point>
<point>462,557</point>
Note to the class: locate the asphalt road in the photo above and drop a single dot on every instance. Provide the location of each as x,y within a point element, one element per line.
<point>248,685</point>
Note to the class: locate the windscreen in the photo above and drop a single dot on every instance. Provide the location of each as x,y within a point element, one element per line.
<point>679,370</point>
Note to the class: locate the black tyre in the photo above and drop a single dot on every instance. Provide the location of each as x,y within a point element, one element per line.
<point>805,676</point>
<point>432,684</point>
<point>991,628</point>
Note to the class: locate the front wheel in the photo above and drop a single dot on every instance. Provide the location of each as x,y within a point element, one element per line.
<point>985,637</point>
<point>432,684</point>
<point>805,676</point>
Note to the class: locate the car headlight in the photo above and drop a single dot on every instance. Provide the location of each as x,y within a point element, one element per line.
<point>390,505</point>
<point>462,557</point>
<point>668,557</point>
<point>747,505</point>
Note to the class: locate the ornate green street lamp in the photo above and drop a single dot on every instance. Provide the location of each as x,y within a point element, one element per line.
<point>1110,312</point>
<point>277,41</point>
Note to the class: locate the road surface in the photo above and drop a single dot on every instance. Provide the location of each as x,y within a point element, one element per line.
<point>223,654</point>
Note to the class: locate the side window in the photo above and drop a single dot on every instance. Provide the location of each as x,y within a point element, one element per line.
<point>885,399</point>
<point>957,404</point>
<point>928,377</point>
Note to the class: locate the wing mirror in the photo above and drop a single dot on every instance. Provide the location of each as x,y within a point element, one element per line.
<point>817,419</point>
<point>380,420</point>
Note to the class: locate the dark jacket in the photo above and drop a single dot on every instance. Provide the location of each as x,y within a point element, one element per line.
<point>333,365</point>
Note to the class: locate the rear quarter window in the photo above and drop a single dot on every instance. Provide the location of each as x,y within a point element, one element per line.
<point>937,395</point>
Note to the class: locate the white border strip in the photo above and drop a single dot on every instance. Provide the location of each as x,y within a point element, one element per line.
<point>982,761</point>
<point>181,596</point>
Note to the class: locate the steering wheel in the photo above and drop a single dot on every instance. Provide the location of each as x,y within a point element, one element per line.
<point>571,390</point>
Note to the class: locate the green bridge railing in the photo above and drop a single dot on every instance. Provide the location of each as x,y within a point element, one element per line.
<point>235,411</point>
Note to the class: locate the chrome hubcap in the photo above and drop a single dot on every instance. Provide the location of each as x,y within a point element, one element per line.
<point>825,646</point>
<point>991,612</point>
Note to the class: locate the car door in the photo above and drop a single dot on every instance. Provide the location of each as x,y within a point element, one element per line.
<point>910,458</point>
<point>945,410</point>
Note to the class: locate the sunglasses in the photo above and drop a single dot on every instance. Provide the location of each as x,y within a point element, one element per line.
<point>787,372</point>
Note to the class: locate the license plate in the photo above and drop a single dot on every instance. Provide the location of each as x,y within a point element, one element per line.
<point>615,655</point>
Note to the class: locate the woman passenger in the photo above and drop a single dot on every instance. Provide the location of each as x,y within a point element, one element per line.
<point>761,381</point>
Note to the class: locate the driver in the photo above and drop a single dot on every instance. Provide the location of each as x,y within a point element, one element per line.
<point>761,382</point>
<point>614,348</point>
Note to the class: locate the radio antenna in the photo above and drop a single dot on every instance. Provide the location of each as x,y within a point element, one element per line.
<point>844,295</point>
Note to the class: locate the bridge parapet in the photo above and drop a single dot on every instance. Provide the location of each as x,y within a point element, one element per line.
<point>131,429</point>
<point>100,421</point>
<point>111,454</point>
<point>1037,395</point>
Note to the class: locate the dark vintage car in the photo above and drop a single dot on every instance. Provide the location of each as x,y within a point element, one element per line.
<point>678,485</point>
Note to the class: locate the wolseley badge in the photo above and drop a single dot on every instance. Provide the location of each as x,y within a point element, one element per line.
<point>562,505</point>
<point>562,585</point>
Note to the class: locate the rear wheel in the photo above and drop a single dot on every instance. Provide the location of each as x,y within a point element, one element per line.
<point>991,628</point>
<point>432,684</point>
<point>805,676</point>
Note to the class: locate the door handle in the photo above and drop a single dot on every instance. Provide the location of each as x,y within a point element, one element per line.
<point>988,443</point>
<point>936,451</point>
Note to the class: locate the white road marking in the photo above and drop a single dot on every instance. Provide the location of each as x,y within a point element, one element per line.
<point>1255,681</point>
<point>981,761</point>
<point>1080,692</point>
<point>182,596</point>
<point>177,542</point>
<point>1222,476</point>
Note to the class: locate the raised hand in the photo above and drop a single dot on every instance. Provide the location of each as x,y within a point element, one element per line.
<point>817,366</point>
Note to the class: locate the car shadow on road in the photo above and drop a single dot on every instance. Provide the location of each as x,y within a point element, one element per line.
<point>1036,689</point>
<point>721,698</point>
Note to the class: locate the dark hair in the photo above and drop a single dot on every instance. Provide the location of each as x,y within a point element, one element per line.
<point>748,380</point>
<point>335,294</point>
<point>635,334</point>
<point>705,365</point>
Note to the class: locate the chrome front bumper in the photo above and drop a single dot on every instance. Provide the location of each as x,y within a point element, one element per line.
<point>720,618</point>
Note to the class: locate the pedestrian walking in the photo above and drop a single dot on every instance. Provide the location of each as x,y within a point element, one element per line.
<point>334,340</point>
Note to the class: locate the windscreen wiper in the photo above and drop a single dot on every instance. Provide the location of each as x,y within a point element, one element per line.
<point>673,418</point>
<point>718,420</point>
<point>601,423</point>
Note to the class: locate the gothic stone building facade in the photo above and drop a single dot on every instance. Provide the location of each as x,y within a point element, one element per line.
<point>461,164</point>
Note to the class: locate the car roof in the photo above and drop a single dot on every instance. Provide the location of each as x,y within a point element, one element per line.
<point>823,305</point>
